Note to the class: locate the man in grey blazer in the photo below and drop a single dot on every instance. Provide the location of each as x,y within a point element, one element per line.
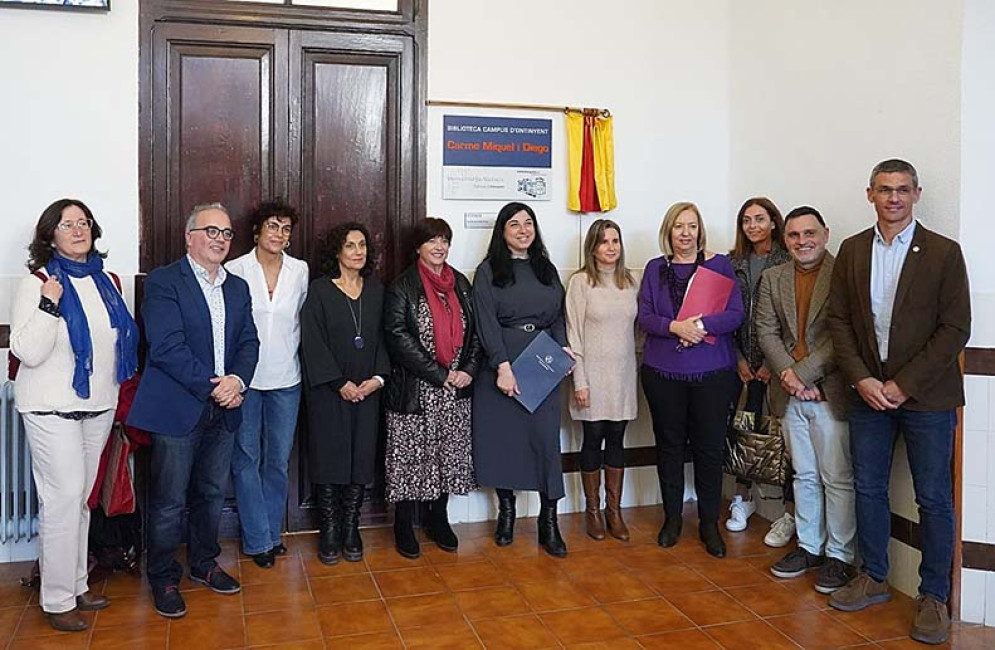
<point>810,399</point>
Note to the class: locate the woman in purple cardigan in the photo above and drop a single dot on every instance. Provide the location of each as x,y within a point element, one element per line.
<point>689,382</point>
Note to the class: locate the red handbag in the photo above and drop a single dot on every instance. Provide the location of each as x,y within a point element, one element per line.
<point>117,490</point>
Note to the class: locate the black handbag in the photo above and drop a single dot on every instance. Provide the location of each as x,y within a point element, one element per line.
<point>756,450</point>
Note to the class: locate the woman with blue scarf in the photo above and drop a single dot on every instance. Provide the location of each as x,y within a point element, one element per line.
<point>76,341</point>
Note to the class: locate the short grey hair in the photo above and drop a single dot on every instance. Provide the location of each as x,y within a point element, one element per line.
<point>894,166</point>
<point>203,207</point>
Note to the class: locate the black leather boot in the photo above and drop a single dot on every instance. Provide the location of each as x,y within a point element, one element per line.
<point>404,531</point>
<point>504,534</point>
<point>670,534</point>
<point>709,534</point>
<point>329,499</point>
<point>352,503</point>
<point>438,529</point>
<point>549,529</point>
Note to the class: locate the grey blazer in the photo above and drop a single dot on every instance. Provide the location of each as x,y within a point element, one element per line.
<point>777,332</point>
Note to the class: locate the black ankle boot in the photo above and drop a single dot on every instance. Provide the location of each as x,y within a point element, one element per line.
<point>438,529</point>
<point>549,530</point>
<point>352,503</point>
<point>404,532</point>
<point>504,534</point>
<point>670,534</point>
<point>329,499</point>
<point>709,534</point>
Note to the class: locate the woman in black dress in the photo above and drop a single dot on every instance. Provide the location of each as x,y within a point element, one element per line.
<point>345,365</point>
<point>517,294</point>
<point>435,353</point>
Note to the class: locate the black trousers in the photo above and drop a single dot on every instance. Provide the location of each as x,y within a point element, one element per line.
<point>611,434</point>
<point>695,412</point>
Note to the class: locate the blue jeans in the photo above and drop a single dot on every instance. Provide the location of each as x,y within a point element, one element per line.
<point>190,470</point>
<point>259,464</point>
<point>929,439</point>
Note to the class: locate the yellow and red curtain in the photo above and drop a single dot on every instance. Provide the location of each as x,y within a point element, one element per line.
<point>592,161</point>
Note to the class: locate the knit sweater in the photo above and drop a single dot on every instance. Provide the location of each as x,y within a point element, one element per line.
<point>41,341</point>
<point>601,331</point>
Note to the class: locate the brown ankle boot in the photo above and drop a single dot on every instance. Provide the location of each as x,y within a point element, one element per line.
<point>613,503</point>
<point>592,515</point>
<point>70,621</point>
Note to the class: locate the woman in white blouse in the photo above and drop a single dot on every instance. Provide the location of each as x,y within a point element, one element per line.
<point>76,343</point>
<point>278,285</point>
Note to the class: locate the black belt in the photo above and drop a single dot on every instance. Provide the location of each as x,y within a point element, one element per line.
<point>525,327</point>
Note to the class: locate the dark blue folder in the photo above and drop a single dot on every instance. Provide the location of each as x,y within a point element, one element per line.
<point>539,369</point>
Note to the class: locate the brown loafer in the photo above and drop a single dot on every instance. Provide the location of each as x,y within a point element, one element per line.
<point>91,602</point>
<point>860,593</point>
<point>932,622</point>
<point>70,621</point>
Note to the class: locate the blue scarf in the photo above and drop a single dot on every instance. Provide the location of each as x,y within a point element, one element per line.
<point>79,329</point>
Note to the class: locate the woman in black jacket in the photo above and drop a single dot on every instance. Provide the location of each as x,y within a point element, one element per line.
<point>429,332</point>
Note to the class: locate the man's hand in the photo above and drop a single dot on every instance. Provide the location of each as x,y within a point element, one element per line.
<point>894,393</point>
<point>227,391</point>
<point>763,374</point>
<point>809,395</point>
<point>872,391</point>
<point>791,383</point>
<point>350,392</point>
<point>583,397</point>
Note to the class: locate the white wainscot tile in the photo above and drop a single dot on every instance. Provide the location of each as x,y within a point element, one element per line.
<point>989,598</point>
<point>976,409</point>
<point>975,466</point>
<point>975,514</point>
<point>972,595</point>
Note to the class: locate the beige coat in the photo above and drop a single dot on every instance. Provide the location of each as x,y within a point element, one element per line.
<point>777,332</point>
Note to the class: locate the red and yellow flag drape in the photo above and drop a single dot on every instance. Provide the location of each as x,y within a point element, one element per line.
<point>592,161</point>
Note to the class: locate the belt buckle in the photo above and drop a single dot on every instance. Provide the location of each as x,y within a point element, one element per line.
<point>529,327</point>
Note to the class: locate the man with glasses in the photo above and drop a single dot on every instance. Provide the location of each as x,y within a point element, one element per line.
<point>202,354</point>
<point>900,314</point>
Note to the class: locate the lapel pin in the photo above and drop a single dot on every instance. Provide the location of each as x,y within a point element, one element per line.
<point>915,249</point>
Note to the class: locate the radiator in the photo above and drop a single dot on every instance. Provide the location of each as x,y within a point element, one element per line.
<point>18,498</point>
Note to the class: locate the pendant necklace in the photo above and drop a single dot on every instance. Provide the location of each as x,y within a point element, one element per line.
<point>357,323</point>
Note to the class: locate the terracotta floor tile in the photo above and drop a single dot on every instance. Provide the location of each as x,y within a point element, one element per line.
<point>374,538</point>
<point>470,550</point>
<point>623,643</point>
<point>710,608</point>
<point>14,595</point>
<point>387,559</point>
<point>816,630</point>
<point>890,620</point>
<point>770,599</point>
<point>515,633</point>
<point>591,563</point>
<point>908,644</point>
<point>283,627</point>
<point>315,569</point>
<point>750,635</point>
<point>582,625</point>
<point>373,641</point>
<point>474,575</point>
<point>409,582</point>
<point>690,550</point>
<point>134,612</point>
<point>676,580</point>
<point>615,587</point>
<point>804,588</point>
<point>312,644</point>
<point>519,570</point>
<point>146,636</point>
<point>975,638</point>
<point>525,545</point>
<point>276,596</point>
<point>684,640</point>
<point>74,641</point>
<point>556,595</point>
<point>34,623</point>
<point>288,568</point>
<point>441,637</point>
<point>418,611</point>
<point>344,589</point>
<point>354,618</point>
<point>221,632</point>
<point>644,558</point>
<point>648,616</point>
<point>125,585</point>
<point>9,618</point>
<point>732,573</point>
<point>207,604</point>
<point>492,602</point>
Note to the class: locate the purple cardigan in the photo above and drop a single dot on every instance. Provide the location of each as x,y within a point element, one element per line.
<point>656,311</point>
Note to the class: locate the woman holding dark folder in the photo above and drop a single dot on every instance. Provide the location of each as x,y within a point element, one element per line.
<point>517,295</point>
<point>689,367</point>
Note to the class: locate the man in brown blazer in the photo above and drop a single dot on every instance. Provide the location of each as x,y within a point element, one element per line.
<point>900,313</point>
<point>810,399</point>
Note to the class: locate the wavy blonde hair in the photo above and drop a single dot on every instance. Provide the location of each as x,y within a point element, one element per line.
<point>670,218</point>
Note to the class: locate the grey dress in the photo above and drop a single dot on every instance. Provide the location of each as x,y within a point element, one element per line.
<point>512,448</point>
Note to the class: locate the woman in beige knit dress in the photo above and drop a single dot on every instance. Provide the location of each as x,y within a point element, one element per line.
<point>601,314</point>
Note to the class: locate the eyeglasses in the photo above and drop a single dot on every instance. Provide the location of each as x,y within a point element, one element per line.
<point>213,232</point>
<point>82,224</point>
<point>274,227</point>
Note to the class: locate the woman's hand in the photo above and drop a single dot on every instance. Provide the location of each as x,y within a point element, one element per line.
<point>458,379</point>
<point>368,387</point>
<point>691,331</point>
<point>583,397</point>
<point>52,289</point>
<point>506,380</point>
<point>570,353</point>
<point>350,392</point>
<point>744,372</point>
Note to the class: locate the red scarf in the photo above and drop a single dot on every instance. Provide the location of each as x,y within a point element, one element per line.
<point>447,324</point>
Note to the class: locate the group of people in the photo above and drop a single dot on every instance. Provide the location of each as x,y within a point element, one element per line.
<point>234,348</point>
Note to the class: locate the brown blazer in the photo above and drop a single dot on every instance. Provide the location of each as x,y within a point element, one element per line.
<point>930,322</point>
<point>777,332</point>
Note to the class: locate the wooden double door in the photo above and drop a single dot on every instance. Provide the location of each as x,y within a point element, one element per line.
<point>329,119</point>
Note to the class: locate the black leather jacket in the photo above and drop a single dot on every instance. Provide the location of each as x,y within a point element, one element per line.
<point>410,360</point>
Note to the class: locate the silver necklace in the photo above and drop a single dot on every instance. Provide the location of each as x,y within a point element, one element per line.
<point>357,322</point>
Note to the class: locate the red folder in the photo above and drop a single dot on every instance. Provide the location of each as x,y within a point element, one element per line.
<point>707,294</point>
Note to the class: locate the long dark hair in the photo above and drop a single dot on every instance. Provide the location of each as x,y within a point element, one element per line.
<point>40,249</point>
<point>334,242</point>
<point>744,246</point>
<point>500,257</point>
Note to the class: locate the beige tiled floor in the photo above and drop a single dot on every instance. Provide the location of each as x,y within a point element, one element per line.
<point>604,595</point>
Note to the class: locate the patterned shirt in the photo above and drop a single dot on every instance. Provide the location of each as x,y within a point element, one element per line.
<point>215,297</point>
<point>887,261</point>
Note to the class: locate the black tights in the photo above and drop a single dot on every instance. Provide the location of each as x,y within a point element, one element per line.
<point>506,494</point>
<point>596,432</point>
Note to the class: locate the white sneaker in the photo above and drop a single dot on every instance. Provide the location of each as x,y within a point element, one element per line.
<point>781,531</point>
<point>740,512</point>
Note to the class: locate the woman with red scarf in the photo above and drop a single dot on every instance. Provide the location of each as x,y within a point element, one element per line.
<point>435,353</point>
